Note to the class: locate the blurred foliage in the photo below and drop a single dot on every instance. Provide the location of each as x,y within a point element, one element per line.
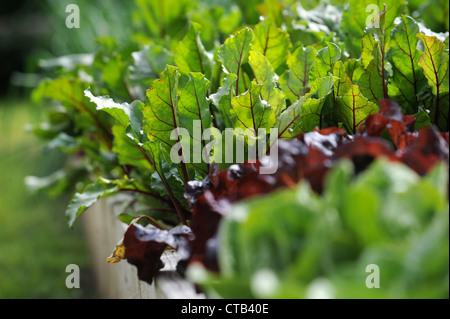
<point>34,30</point>
<point>35,246</point>
<point>297,244</point>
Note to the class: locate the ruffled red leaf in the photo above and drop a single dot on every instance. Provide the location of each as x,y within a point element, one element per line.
<point>400,127</point>
<point>144,247</point>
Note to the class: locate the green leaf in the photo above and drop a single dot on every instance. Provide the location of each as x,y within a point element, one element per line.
<point>222,100</point>
<point>149,62</point>
<point>161,114</point>
<point>265,75</point>
<point>372,82</point>
<point>250,243</point>
<point>69,92</point>
<point>290,120</point>
<point>146,66</point>
<point>354,69</point>
<point>434,62</point>
<point>92,193</point>
<point>250,225</point>
<point>191,56</point>
<point>368,45</point>
<point>295,81</point>
<point>234,53</point>
<point>341,174</point>
<point>353,108</point>
<point>128,150</point>
<point>272,42</point>
<point>64,142</point>
<point>64,89</point>
<point>251,112</point>
<point>422,119</point>
<point>120,111</point>
<point>222,145</point>
<point>110,67</point>
<point>57,183</point>
<point>342,81</point>
<point>129,115</point>
<point>167,178</point>
<point>321,87</point>
<point>136,116</point>
<point>209,18</point>
<point>235,146</point>
<point>230,21</point>
<point>161,110</point>
<point>324,61</point>
<point>195,117</point>
<point>168,117</point>
<point>311,114</point>
<point>365,225</point>
<point>193,103</point>
<point>162,18</point>
<point>360,14</point>
<point>407,79</point>
<point>300,117</point>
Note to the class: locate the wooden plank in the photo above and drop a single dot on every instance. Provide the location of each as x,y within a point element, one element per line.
<point>169,283</point>
<point>119,281</point>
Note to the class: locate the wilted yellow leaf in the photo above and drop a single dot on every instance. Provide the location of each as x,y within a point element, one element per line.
<point>117,255</point>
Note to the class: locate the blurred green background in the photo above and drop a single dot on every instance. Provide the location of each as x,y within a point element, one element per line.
<point>35,242</point>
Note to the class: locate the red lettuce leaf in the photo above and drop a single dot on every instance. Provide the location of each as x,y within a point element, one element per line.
<point>144,247</point>
<point>426,150</point>
<point>390,118</point>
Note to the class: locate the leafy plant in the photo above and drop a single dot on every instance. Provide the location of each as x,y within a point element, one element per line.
<point>153,116</point>
<point>297,244</point>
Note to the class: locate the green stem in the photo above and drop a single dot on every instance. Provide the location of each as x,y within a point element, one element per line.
<point>175,202</point>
